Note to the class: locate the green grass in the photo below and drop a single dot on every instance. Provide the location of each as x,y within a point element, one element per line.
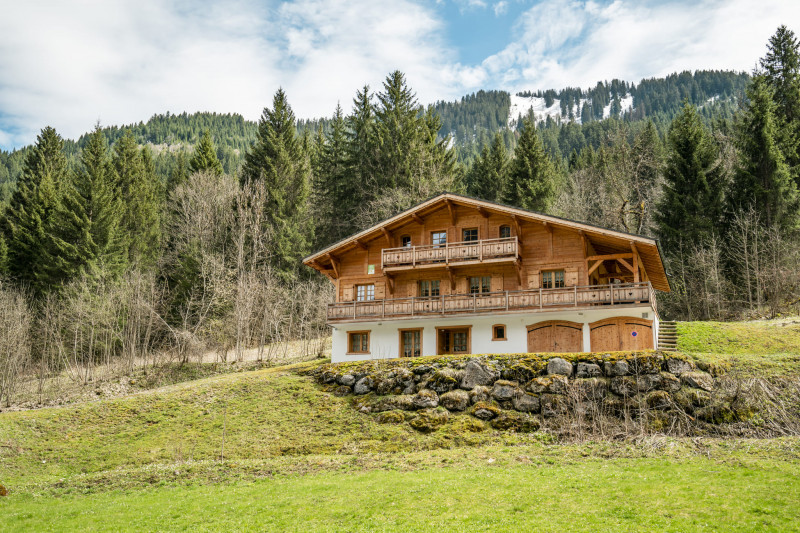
<point>491,489</point>
<point>753,348</point>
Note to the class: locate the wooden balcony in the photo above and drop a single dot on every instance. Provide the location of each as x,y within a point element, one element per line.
<point>592,296</point>
<point>456,253</point>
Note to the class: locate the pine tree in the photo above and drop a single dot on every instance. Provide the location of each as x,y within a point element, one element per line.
<point>179,173</point>
<point>85,234</point>
<point>139,188</point>
<point>277,159</point>
<point>28,215</point>
<point>782,72</point>
<point>532,180</point>
<point>339,191</point>
<point>762,178</point>
<point>488,173</point>
<point>205,158</point>
<point>691,206</point>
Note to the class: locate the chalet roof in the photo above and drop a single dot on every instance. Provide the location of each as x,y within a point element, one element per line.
<point>603,239</point>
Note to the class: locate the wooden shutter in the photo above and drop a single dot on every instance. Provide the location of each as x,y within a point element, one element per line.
<point>570,277</point>
<point>348,293</point>
<point>497,283</point>
<point>380,290</point>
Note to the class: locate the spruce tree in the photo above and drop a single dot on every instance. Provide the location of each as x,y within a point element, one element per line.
<point>85,234</point>
<point>179,173</point>
<point>205,158</point>
<point>139,189</point>
<point>487,176</point>
<point>532,180</point>
<point>277,159</point>
<point>762,178</point>
<point>690,209</point>
<point>28,216</point>
<point>341,193</point>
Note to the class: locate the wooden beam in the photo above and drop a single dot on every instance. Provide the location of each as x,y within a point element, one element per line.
<point>549,229</point>
<point>360,244</point>
<point>452,278</point>
<point>518,264</point>
<point>637,261</point>
<point>388,235</point>
<point>517,227</point>
<point>451,208</point>
<point>609,257</point>
<point>625,264</point>
<point>594,266</point>
<point>390,283</point>
<point>483,212</point>
<point>417,219</point>
<point>334,264</point>
<point>585,279</point>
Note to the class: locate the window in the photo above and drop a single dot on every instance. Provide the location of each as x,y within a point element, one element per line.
<point>439,238</point>
<point>469,235</point>
<point>405,241</point>
<point>428,288</point>
<point>505,232</point>
<point>459,342</point>
<point>365,293</point>
<point>553,279</point>
<point>410,342</point>
<point>358,342</point>
<point>499,332</point>
<point>478,285</point>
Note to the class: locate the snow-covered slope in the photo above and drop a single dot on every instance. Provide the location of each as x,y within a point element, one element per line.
<point>520,105</point>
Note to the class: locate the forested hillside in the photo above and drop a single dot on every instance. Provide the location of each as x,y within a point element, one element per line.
<point>186,233</point>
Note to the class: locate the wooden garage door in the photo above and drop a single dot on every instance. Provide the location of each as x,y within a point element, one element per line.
<point>555,336</point>
<point>621,334</point>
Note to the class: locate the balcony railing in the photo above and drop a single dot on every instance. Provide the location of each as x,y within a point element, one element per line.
<point>495,302</point>
<point>489,250</point>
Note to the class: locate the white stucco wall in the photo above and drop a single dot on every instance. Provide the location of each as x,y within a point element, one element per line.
<point>385,338</point>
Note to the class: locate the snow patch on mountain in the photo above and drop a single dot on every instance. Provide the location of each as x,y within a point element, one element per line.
<point>521,105</point>
<point>625,103</point>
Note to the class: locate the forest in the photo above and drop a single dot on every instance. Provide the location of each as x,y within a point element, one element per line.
<point>185,234</point>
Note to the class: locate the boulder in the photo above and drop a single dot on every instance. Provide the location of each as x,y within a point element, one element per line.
<point>624,386</point>
<point>553,405</point>
<point>588,370</point>
<point>425,399</point>
<point>476,373</point>
<point>428,420</point>
<point>504,390</point>
<point>363,385</point>
<point>485,411</point>
<point>558,366</point>
<point>669,382</point>
<point>444,380</point>
<point>678,366</point>
<point>527,403</point>
<point>648,382</point>
<point>342,390</point>
<point>385,386</point>
<point>390,417</point>
<point>551,384</point>
<point>698,380</point>
<point>688,399</point>
<point>455,400</point>
<point>348,380</point>
<point>620,368</point>
<point>510,420</point>
<point>658,399</point>
<point>403,402</point>
<point>479,394</point>
<point>590,388</point>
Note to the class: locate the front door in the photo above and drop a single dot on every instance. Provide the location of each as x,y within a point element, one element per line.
<point>453,340</point>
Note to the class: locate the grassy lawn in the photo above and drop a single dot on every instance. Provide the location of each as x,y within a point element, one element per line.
<point>519,491</point>
<point>762,348</point>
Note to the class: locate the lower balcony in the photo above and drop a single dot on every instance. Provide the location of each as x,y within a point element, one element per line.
<point>590,296</point>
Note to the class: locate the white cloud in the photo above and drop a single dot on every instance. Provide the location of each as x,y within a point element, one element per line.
<point>500,8</point>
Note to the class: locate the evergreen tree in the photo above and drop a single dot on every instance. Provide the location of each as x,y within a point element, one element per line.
<point>179,173</point>
<point>85,235</point>
<point>139,188</point>
<point>487,176</point>
<point>782,72</point>
<point>762,178</point>
<point>28,215</point>
<point>532,177</point>
<point>339,191</point>
<point>277,159</point>
<point>691,206</point>
<point>205,158</point>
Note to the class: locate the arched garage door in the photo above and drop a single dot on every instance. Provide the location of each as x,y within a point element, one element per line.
<point>621,334</point>
<point>555,336</point>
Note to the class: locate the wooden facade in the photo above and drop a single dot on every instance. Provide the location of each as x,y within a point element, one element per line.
<point>455,255</point>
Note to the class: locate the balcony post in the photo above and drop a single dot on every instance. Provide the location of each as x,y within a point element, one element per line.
<point>354,309</point>
<point>506,300</point>
<point>383,308</point>
<point>575,297</point>
<point>611,285</point>
<point>413,256</point>
<point>413,302</point>
<point>540,298</point>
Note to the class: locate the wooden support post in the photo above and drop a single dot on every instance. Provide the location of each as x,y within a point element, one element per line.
<point>451,208</point>
<point>417,219</point>
<point>388,235</point>
<point>452,279</point>
<point>334,264</point>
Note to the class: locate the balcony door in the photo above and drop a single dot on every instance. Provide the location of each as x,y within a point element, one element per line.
<point>453,340</point>
<point>410,342</point>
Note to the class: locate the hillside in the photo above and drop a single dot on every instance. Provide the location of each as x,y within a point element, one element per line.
<point>154,460</point>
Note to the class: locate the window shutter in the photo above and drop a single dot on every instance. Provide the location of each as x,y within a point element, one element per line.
<point>380,290</point>
<point>534,279</point>
<point>497,283</point>
<point>347,293</point>
<point>570,277</point>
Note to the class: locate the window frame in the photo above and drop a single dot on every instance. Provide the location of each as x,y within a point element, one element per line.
<point>434,235</point>
<point>504,227</point>
<point>426,285</point>
<point>350,335</point>
<point>464,234</point>
<point>553,279</point>
<point>369,295</point>
<point>401,331</point>
<point>481,286</point>
<point>495,336</point>
<point>403,244</point>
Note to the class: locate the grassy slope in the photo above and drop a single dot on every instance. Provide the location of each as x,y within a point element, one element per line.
<point>769,348</point>
<point>293,451</point>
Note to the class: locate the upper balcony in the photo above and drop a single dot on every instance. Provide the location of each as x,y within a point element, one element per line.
<point>456,253</point>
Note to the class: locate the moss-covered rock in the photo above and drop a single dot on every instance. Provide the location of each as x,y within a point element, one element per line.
<point>658,399</point>
<point>511,420</point>
<point>485,410</point>
<point>553,405</point>
<point>698,380</point>
<point>548,384</point>
<point>428,420</point>
<point>480,393</point>
<point>425,399</point>
<point>455,400</point>
<point>590,389</point>
<point>444,380</point>
<point>526,402</point>
<point>503,390</point>
<point>391,417</point>
<point>669,382</point>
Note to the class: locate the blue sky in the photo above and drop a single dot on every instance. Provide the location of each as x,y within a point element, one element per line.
<point>69,63</point>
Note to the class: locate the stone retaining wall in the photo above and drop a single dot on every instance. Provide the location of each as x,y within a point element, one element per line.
<point>518,391</point>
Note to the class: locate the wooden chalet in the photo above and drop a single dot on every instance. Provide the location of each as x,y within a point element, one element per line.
<point>459,275</point>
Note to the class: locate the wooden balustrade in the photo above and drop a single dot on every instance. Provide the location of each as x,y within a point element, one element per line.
<point>495,302</point>
<point>488,250</point>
